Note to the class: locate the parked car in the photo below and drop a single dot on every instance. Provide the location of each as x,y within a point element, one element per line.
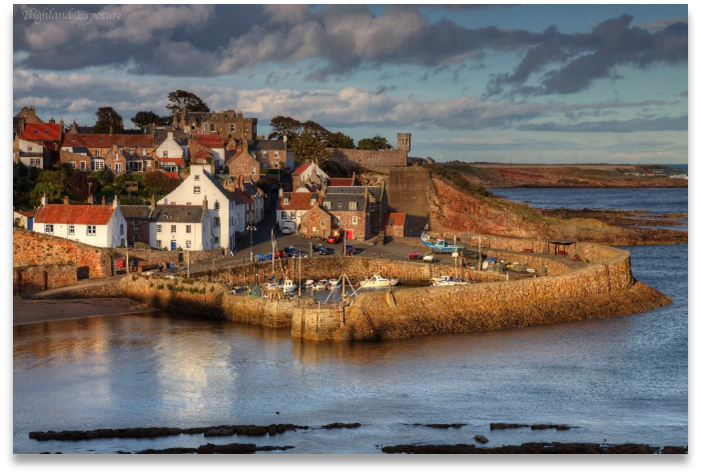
<point>291,251</point>
<point>350,250</point>
<point>414,255</point>
<point>429,258</point>
<point>335,236</point>
<point>319,249</point>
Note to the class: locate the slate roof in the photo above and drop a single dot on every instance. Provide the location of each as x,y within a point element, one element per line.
<point>42,132</point>
<point>177,214</point>
<point>220,187</point>
<point>340,201</point>
<point>161,134</point>
<point>75,214</point>
<point>133,212</point>
<point>255,145</point>
<point>356,189</point>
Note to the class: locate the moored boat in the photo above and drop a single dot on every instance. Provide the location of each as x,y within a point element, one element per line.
<point>447,281</point>
<point>321,284</point>
<point>378,281</point>
<point>440,245</point>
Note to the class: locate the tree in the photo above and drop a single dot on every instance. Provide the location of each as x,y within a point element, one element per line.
<point>159,182</point>
<point>308,148</point>
<point>145,118</point>
<point>104,176</point>
<point>339,140</point>
<point>376,143</point>
<point>282,125</point>
<point>108,120</point>
<point>180,100</point>
<point>78,187</point>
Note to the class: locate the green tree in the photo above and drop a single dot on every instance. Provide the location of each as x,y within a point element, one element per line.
<point>183,99</point>
<point>159,183</point>
<point>282,125</point>
<point>108,120</point>
<point>145,118</point>
<point>104,176</point>
<point>376,143</point>
<point>308,148</point>
<point>339,140</point>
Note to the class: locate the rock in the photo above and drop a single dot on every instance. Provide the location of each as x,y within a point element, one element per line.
<point>481,439</point>
<point>548,427</point>
<point>506,426</point>
<point>525,448</point>
<point>333,426</point>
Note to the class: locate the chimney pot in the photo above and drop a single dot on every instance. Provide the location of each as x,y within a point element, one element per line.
<point>90,199</point>
<point>103,200</point>
<point>65,200</point>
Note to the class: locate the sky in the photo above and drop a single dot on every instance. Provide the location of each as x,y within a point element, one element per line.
<point>496,83</point>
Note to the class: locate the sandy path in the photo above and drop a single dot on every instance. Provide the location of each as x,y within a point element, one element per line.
<point>29,311</point>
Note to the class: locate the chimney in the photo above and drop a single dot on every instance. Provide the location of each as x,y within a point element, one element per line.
<point>115,202</point>
<point>170,135</point>
<point>65,200</point>
<point>204,203</point>
<point>52,121</point>
<point>44,200</point>
<point>245,146</point>
<point>103,200</point>
<point>280,192</point>
<point>284,138</point>
<point>111,132</point>
<point>91,200</point>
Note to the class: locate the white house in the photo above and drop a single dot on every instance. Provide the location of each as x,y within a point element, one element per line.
<point>228,214</point>
<point>97,225</point>
<point>308,173</point>
<point>24,218</point>
<point>171,156</point>
<point>181,227</point>
<point>33,154</point>
<point>291,208</point>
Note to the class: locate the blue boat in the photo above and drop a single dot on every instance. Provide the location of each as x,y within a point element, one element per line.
<point>440,246</point>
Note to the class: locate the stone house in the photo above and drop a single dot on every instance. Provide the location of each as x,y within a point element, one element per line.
<point>359,210</point>
<point>32,154</point>
<point>27,115</point>
<point>244,164</point>
<point>210,144</point>
<point>137,218</point>
<point>137,150</point>
<point>291,208</point>
<point>227,212</point>
<point>308,173</point>
<point>270,154</point>
<point>96,225</point>
<point>184,227</point>
<point>395,224</point>
<point>316,223</point>
<point>227,124</point>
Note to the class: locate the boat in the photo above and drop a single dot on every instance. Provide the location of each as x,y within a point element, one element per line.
<point>288,286</point>
<point>308,284</point>
<point>440,245</point>
<point>378,281</point>
<point>447,281</point>
<point>321,284</point>
<point>273,285</point>
<point>334,283</point>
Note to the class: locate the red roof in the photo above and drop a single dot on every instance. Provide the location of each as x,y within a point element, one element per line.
<point>43,132</point>
<point>209,140</point>
<point>340,182</point>
<point>174,175</point>
<point>132,140</point>
<point>175,160</point>
<point>75,214</point>
<point>396,219</point>
<point>301,169</point>
<point>243,197</point>
<point>27,213</point>
<point>87,140</point>
<point>297,201</point>
<point>201,154</point>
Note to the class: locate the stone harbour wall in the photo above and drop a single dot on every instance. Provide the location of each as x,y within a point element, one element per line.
<point>377,160</point>
<point>29,279</point>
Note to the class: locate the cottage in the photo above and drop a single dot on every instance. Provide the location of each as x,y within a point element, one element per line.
<point>308,173</point>
<point>316,223</point>
<point>171,156</point>
<point>227,212</point>
<point>244,164</point>
<point>182,227</point>
<point>358,210</point>
<point>48,134</point>
<point>208,145</point>
<point>24,218</point>
<point>137,218</point>
<point>395,224</point>
<point>32,154</point>
<point>291,208</point>
<point>96,225</point>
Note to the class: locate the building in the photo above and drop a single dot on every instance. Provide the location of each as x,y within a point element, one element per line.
<point>136,152</point>
<point>24,218</point>
<point>375,160</point>
<point>138,219</point>
<point>49,134</point>
<point>208,145</point>
<point>270,154</point>
<point>32,154</point>
<point>182,227</point>
<point>25,116</point>
<point>359,210</point>
<point>258,197</point>
<point>171,156</point>
<point>308,173</point>
<point>316,223</point>
<point>227,212</point>
<point>244,164</point>
<point>96,225</point>
<point>227,124</point>
<point>395,224</point>
<point>291,208</point>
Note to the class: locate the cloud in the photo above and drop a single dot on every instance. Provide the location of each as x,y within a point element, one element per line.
<point>663,23</point>
<point>680,123</point>
<point>580,58</point>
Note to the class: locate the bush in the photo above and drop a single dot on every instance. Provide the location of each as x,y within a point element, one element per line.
<point>160,286</point>
<point>211,290</point>
<point>170,287</point>
<point>150,285</point>
<point>141,246</point>
<point>134,278</point>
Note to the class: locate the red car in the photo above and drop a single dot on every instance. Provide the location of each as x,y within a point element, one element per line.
<point>333,239</point>
<point>414,255</point>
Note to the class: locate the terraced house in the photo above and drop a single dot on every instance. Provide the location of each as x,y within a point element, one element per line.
<point>120,153</point>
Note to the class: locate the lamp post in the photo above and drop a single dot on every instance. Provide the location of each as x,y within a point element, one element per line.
<point>251,229</point>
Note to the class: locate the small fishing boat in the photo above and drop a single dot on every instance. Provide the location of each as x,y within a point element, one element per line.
<point>334,283</point>
<point>273,285</point>
<point>440,245</point>
<point>321,284</point>
<point>308,284</point>
<point>288,286</point>
<point>447,281</point>
<point>378,281</point>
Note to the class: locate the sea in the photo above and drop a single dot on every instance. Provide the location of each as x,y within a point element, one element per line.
<point>613,380</point>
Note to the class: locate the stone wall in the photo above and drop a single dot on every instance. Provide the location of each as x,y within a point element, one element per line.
<point>29,279</point>
<point>143,258</point>
<point>376,160</point>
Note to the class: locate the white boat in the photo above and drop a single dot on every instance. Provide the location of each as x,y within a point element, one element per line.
<point>273,286</point>
<point>378,281</point>
<point>308,284</point>
<point>288,286</point>
<point>447,281</point>
<point>334,283</point>
<point>321,284</point>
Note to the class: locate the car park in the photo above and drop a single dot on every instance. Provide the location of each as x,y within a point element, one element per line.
<point>320,249</point>
<point>350,250</point>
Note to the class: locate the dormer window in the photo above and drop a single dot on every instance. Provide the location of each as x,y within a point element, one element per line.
<point>99,138</point>
<point>216,205</point>
<point>73,139</point>
<point>285,201</point>
<point>46,131</point>
<point>36,131</point>
<point>340,205</point>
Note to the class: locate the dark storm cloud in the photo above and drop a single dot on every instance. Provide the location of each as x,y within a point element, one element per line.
<point>632,125</point>
<point>580,58</point>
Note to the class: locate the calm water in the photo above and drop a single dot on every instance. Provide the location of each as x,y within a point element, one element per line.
<point>622,379</point>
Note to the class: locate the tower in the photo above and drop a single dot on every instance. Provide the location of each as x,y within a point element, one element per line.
<point>404,141</point>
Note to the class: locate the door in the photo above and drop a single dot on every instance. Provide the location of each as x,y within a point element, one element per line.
<point>173,245</point>
<point>349,234</point>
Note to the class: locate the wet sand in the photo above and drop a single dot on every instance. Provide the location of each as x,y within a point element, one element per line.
<point>25,311</point>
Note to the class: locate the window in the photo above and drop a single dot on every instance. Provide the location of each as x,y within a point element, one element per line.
<point>192,127</point>
<point>159,244</point>
<point>173,228</point>
<point>292,214</point>
<point>232,128</point>
<point>121,228</point>
<point>73,138</point>
<point>340,205</point>
<point>131,151</point>
<point>188,244</point>
<point>188,203</point>
<point>265,165</point>
<point>46,131</point>
<point>212,128</point>
<point>118,168</point>
<point>277,154</point>
<point>98,164</point>
<point>188,228</point>
<point>355,220</point>
<point>247,129</point>
<point>216,222</point>
<point>253,170</point>
<point>216,205</point>
<point>231,221</point>
<point>136,237</point>
<point>72,162</point>
<point>97,151</point>
<point>136,224</point>
<point>49,229</point>
<point>313,200</point>
<point>197,178</point>
<point>285,201</point>
<point>121,151</point>
<point>82,166</point>
<point>121,242</point>
<point>216,240</point>
<point>265,154</point>
<point>372,207</point>
<point>283,215</point>
<point>323,222</point>
<point>165,153</point>
<point>34,162</point>
<point>159,228</point>
<point>338,220</point>
<point>29,148</point>
<point>196,189</point>
<point>143,152</point>
<point>352,205</point>
<point>327,204</point>
<point>71,229</point>
<point>92,230</point>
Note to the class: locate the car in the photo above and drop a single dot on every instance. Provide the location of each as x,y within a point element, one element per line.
<point>333,239</point>
<point>291,251</point>
<point>429,258</point>
<point>414,255</point>
<point>350,250</point>
<point>319,249</point>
